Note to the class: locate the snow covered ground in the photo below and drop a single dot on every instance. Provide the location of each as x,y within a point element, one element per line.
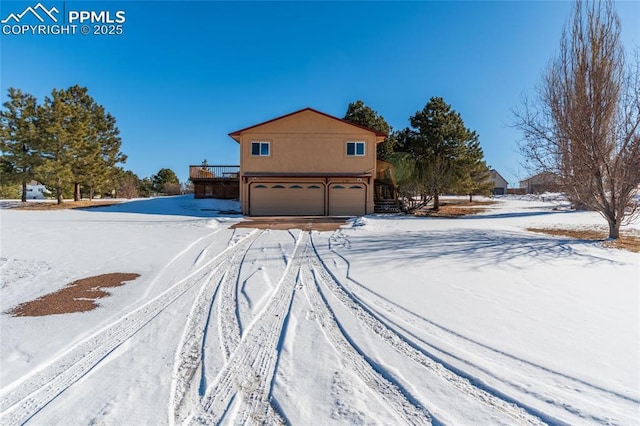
<point>389,320</point>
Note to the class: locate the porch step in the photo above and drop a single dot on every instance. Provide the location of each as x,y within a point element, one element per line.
<point>386,206</point>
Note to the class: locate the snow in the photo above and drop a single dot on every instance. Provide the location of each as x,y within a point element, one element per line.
<point>388,320</point>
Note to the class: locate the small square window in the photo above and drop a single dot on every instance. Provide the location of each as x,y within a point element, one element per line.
<point>260,149</point>
<point>355,149</point>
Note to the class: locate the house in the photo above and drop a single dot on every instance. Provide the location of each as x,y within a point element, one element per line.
<point>542,182</point>
<point>37,191</point>
<point>499,183</point>
<point>307,163</point>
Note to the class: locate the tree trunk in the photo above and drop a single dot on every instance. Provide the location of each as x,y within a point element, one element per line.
<point>59,194</point>
<point>76,192</point>
<point>471,198</point>
<point>436,202</point>
<point>24,191</point>
<point>614,229</point>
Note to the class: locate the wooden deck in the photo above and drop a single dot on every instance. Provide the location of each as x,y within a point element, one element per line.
<point>210,173</point>
<point>222,182</point>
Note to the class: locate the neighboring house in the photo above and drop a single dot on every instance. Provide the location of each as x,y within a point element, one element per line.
<point>36,191</point>
<point>307,163</point>
<point>499,183</point>
<point>542,182</point>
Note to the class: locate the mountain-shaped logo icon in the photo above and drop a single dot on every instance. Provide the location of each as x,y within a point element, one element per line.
<point>43,11</point>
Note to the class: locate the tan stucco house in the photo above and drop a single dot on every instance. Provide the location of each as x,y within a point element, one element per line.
<point>307,163</point>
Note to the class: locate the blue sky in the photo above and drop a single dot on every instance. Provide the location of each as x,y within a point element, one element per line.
<point>185,74</point>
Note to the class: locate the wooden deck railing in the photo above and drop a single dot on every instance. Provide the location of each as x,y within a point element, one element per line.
<point>213,172</point>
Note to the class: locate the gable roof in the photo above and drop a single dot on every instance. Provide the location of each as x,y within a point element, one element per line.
<point>498,174</point>
<point>236,135</point>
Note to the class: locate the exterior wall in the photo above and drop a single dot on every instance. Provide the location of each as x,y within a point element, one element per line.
<point>307,142</point>
<point>35,191</point>
<point>542,182</point>
<point>224,189</point>
<point>325,182</point>
<point>499,183</point>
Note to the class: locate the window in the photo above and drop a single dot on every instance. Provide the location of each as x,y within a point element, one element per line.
<point>355,149</point>
<point>260,149</point>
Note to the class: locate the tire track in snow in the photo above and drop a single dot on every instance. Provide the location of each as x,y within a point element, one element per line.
<point>550,385</point>
<point>249,371</point>
<point>552,388</point>
<point>189,355</point>
<point>230,331</point>
<point>408,412</point>
<point>403,346</point>
<point>228,321</point>
<point>29,396</point>
<point>177,257</point>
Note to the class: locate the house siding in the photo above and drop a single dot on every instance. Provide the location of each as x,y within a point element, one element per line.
<point>307,143</point>
<point>499,183</point>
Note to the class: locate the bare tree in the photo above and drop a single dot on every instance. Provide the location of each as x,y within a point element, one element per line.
<point>584,126</point>
<point>128,187</point>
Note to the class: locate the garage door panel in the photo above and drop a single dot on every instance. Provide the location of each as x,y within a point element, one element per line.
<point>347,199</point>
<point>292,199</point>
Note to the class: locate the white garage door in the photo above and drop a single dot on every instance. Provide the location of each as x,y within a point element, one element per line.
<point>286,199</point>
<point>347,199</point>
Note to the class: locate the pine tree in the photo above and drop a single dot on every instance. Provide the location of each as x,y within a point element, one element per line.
<point>62,133</point>
<point>439,145</point>
<point>19,142</point>
<point>359,113</point>
<point>473,174</point>
<point>163,178</point>
<point>145,187</point>
<point>103,152</point>
<point>81,143</point>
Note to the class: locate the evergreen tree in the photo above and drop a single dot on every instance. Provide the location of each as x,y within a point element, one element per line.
<point>439,146</point>
<point>98,173</point>
<point>359,113</point>
<point>474,175</point>
<point>163,178</point>
<point>145,187</point>
<point>19,142</point>
<point>81,145</point>
<point>62,132</point>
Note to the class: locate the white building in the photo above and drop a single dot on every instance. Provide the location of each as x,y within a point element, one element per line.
<point>36,191</point>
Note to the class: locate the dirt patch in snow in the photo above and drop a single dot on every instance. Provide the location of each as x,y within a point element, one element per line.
<point>628,240</point>
<point>53,205</point>
<point>284,223</point>
<point>453,209</point>
<point>79,296</point>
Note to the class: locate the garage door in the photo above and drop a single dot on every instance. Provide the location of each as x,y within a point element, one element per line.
<point>347,199</point>
<point>286,199</point>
